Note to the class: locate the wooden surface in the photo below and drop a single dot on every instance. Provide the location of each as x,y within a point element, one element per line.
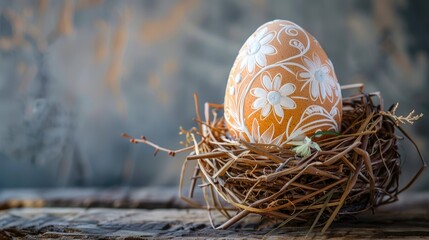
<point>146,198</point>
<point>406,219</point>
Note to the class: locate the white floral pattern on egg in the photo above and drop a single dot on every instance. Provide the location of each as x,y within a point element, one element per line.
<point>282,87</point>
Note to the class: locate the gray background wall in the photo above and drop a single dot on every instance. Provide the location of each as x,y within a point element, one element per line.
<point>74,75</point>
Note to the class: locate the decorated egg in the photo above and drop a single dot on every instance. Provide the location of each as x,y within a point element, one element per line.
<point>282,87</point>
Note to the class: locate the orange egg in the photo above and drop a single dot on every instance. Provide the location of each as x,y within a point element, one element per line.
<point>282,87</point>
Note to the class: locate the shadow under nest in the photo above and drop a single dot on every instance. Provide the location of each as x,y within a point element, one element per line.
<point>355,171</point>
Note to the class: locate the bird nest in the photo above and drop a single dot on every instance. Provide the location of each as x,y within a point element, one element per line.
<point>353,172</point>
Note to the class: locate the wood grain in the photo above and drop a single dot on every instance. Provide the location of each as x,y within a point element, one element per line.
<point>406,219</point>
<point>146,198</point>
<point>172,223</point>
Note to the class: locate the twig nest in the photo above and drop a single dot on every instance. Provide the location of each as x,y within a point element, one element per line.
<point>313,183</point>
<point>346,174</point>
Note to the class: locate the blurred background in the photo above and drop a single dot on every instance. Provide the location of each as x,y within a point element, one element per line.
<point>76,74</point>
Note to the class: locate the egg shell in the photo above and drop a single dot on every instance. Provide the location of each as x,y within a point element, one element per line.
<point>282,87</point>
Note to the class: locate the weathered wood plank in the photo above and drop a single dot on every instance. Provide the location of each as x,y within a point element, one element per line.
<point>144,198</point>
<point>408,218</point>
<point>81,223</point>
<point>147,198</point>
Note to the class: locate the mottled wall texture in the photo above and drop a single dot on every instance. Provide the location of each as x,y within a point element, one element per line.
<point>74,75</point>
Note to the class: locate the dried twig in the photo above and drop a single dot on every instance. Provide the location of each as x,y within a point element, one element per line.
<point>410,118</point>
<point>143,139</point>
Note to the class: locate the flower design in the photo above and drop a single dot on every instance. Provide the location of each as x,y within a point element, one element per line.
<point>272,95</point>
<point>267,136</point>
<point>257,47</point>
<point>322,84</point>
